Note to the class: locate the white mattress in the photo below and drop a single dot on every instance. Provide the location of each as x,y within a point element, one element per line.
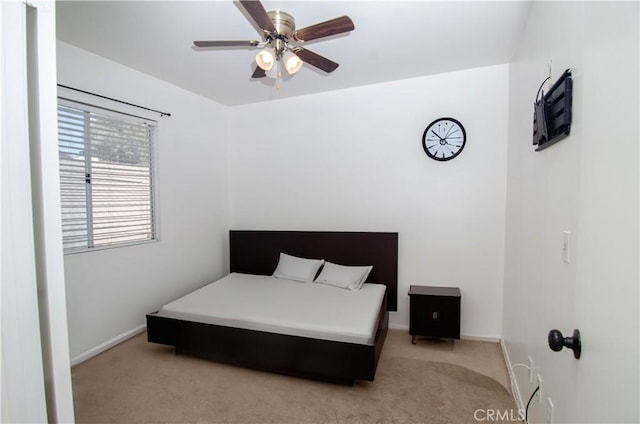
<point>275,305</point>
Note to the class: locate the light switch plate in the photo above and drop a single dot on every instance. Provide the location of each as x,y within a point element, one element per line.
<point>566,246</point>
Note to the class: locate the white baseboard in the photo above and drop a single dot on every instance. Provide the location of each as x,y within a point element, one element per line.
<point>515,390</point>
<point>107,345</point>
<point>398,327</point>
<point>462,336</point>
<point>480,338</point>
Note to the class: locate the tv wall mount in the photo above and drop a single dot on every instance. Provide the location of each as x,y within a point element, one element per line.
<point>552,112</point>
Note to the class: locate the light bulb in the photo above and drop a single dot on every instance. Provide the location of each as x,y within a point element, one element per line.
<point>292,63</point>
<point>266,58</point>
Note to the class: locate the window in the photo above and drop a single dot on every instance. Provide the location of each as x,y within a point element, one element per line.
<point>106,177</point>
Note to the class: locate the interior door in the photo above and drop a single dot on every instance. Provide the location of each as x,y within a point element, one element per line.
<point>605,379</point>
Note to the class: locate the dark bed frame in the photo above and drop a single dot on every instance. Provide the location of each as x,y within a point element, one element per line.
<point>257,252</point>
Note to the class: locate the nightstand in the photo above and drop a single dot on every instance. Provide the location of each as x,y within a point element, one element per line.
<point>434,312</point>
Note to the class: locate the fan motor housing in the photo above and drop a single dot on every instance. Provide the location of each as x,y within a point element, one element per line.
<point>284,22</point>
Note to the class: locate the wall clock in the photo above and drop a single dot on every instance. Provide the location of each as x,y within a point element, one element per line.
<point>444,139</point>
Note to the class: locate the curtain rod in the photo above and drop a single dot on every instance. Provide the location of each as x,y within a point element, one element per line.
<point>115,100</point>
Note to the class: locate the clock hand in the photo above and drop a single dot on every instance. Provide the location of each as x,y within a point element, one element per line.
<point>432,132</point>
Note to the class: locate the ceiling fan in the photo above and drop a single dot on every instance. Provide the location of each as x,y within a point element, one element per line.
<point>280,47</point>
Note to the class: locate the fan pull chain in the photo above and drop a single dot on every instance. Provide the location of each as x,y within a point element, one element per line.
<point>278,75</point>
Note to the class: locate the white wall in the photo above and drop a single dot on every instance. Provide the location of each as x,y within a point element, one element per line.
<point>586,184</point>
<point>110,291</point>
<point>353,160</point>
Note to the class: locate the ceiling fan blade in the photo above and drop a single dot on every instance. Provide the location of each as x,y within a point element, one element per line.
<point>228,43</point>
<point>314,59</point>
<point>324,29</point>
<point>258,14</point>
<point>259,73</point>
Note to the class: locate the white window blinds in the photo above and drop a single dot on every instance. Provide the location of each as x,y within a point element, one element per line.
<point>106,177</point>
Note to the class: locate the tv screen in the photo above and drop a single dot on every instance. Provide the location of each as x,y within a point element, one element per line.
<point>552,113</point>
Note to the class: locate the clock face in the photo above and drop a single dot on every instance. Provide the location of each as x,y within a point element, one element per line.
<point>444,139</point>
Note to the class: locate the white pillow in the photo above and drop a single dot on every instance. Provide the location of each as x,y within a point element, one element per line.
<point>346,277</point>
<point>297,269</point>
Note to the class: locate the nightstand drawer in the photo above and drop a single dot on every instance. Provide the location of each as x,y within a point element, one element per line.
<point>434,311</point>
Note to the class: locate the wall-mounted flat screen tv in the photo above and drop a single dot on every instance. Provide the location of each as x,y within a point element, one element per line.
<point>552,113</point>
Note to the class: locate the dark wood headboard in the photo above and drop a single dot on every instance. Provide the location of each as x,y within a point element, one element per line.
<point>257,252</point>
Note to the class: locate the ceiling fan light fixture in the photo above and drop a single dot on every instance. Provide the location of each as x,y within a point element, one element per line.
<point>278,29</point>
<point>292,63</point>
<point>266,58</point>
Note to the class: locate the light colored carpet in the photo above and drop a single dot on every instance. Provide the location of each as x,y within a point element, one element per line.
<point>139,382</point>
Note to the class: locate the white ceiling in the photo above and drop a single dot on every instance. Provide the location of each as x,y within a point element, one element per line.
<point>392,40</point>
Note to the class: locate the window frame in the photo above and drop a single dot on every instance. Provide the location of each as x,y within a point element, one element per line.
<point>128,115</point>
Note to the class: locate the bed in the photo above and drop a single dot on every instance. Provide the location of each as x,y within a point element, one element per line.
<point>290,342</point>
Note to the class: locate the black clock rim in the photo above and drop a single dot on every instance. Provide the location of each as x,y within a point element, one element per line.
<point>464,139</point>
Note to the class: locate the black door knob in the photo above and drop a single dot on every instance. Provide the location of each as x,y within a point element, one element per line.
<point>557,342</point>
